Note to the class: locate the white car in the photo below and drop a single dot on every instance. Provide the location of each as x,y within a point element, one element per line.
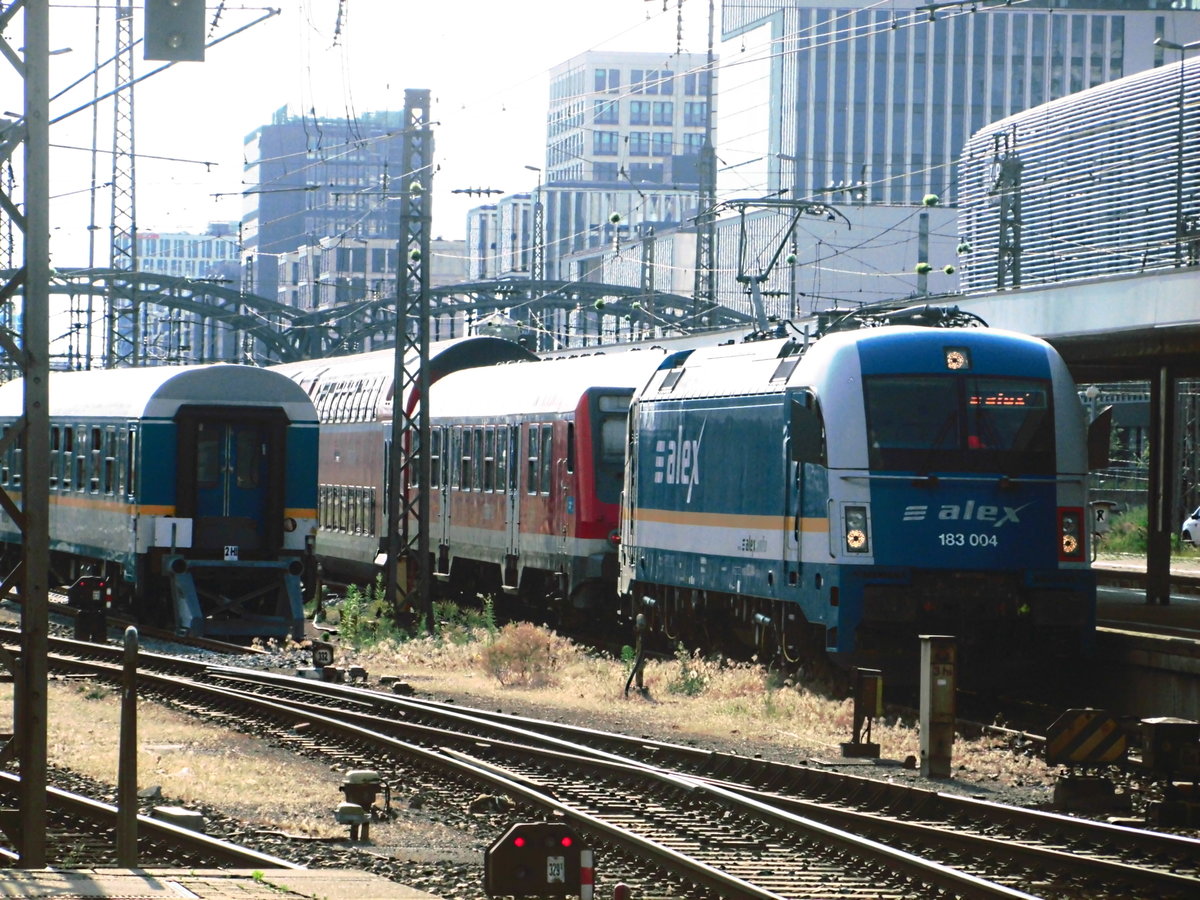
<point>1190,530</point>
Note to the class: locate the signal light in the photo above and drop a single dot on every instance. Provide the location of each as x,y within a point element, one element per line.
<point>174,30</point>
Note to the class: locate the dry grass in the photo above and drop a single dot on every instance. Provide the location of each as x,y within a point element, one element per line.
<point>689,699</point>
<point>193,763</point>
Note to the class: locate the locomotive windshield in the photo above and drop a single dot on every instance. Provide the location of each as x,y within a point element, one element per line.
<point>959,423</point>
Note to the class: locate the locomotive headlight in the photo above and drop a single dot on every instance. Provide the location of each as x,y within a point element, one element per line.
<point>289,524</point>
<point>854,519</point>
<point>1070,534</point>
<point>958,359</point>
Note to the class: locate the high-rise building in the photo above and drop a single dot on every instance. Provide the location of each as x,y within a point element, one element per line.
<point>176,335</point>
<point>624,133</point>
<point>887,96</point>
<point>309,178</point>
<point>869,109</point>
<point>188,255</point>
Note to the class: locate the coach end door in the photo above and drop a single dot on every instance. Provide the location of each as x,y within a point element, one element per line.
<point>231,479</point>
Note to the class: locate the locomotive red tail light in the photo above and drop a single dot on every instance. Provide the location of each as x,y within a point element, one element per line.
<point>614,537</point>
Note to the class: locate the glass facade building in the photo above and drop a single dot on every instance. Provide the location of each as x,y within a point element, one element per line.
<point>887,97</point>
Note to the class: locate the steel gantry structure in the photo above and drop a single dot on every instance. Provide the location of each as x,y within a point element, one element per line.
<point>224,316</point>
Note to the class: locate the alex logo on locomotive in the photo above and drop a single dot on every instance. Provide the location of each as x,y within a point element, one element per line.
<point>967,512</point>
<point>677,460</point>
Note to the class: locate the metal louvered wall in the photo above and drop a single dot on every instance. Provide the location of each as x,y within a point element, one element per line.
<point>1105,176</point>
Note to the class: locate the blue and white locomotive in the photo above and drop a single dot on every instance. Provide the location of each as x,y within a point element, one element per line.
<point>189,491</point>
<point>843,496</point>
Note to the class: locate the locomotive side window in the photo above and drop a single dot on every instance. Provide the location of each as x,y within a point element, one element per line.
<point>806,429</point>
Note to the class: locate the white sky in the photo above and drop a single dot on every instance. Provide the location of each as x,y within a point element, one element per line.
<point>485,62</point>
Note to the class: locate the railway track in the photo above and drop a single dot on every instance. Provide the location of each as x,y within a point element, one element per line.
<point>83,829</point>
<point>706,823</point>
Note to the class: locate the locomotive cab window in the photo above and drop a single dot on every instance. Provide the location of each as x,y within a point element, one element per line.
<point>920,423</point>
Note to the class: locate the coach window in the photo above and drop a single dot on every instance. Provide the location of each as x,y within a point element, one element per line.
<point>570,446</point>
<point>435,457</point>
<point>502,458</point>
<point>250,456</point>
<point>109,481</point>
<point>207,457</point>
<point>55,455</point>
<point>67,458</point>
<point>477,460</point>
<point>96,464</point>
<point>531,465</point>
<point>81,458</point>
<point>547,455</point>
<point>453,437</point>
<point>131,461</point>
<point>464,464</point>
<point>489,460</point>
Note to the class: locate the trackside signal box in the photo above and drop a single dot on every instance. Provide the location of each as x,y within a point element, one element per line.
<point>535,859</point>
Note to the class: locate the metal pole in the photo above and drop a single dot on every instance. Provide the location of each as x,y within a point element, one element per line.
<point>30,729</point>
<point>409,463</point>
<point>127,855</point>
<point>1179,170</point>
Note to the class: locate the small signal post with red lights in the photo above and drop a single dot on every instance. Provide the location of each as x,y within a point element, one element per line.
<point>539,859</point>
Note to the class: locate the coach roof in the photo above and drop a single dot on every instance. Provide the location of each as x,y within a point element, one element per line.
<point>159,391</point>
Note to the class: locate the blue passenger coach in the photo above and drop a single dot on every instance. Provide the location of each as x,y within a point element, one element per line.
<point>190,490</point>
<point>845,495</point>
